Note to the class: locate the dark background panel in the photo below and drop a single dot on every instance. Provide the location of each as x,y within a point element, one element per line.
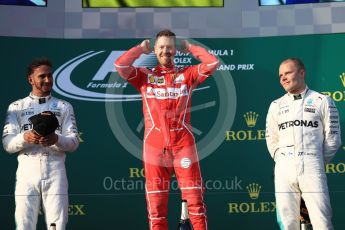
<point>106,184</point>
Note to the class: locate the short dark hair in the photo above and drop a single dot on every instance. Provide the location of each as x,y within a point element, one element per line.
<point>166,33</point>
<point>298,62</point>
<point>36,63</point>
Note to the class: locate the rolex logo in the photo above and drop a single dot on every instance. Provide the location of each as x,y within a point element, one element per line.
<point>342,78</point>
<point>251,118</point>
<point>253,190</point>
<point>79,137</point>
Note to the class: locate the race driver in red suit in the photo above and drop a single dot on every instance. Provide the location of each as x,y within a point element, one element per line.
<point>169,144</point>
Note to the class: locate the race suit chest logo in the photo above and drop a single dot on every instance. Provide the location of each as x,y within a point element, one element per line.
<point>179,79</point>
<point>28,112</point>
<point>155,80</point>
<point>26,127</point>
<point>166,93</point>
<point>309,110</point>
<point>310,102</point>
<point>305,123</point>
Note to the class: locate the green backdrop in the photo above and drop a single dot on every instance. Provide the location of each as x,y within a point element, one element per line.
<point>106,183</point>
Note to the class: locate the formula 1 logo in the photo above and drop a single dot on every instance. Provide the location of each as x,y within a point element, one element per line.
<point>92,90</point>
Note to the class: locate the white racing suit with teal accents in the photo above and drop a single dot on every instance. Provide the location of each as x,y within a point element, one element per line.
<point>41,178</point>
<point>302,135</point>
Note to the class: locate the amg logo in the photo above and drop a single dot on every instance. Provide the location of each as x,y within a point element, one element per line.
<point>304,123</point>
<point>309,110</point>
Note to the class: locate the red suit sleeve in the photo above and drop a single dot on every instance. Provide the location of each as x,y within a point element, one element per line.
<point>208,65</point>
<point>125,68</point>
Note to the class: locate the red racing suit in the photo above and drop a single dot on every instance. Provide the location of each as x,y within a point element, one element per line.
<point>169,143</point>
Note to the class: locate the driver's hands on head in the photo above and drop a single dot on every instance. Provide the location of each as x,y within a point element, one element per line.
<point>145,45</point>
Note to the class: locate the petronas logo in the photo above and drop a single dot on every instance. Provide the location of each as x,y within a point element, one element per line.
<point>342,78</point>
<point>254,190</point>
<point>251,118</point>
